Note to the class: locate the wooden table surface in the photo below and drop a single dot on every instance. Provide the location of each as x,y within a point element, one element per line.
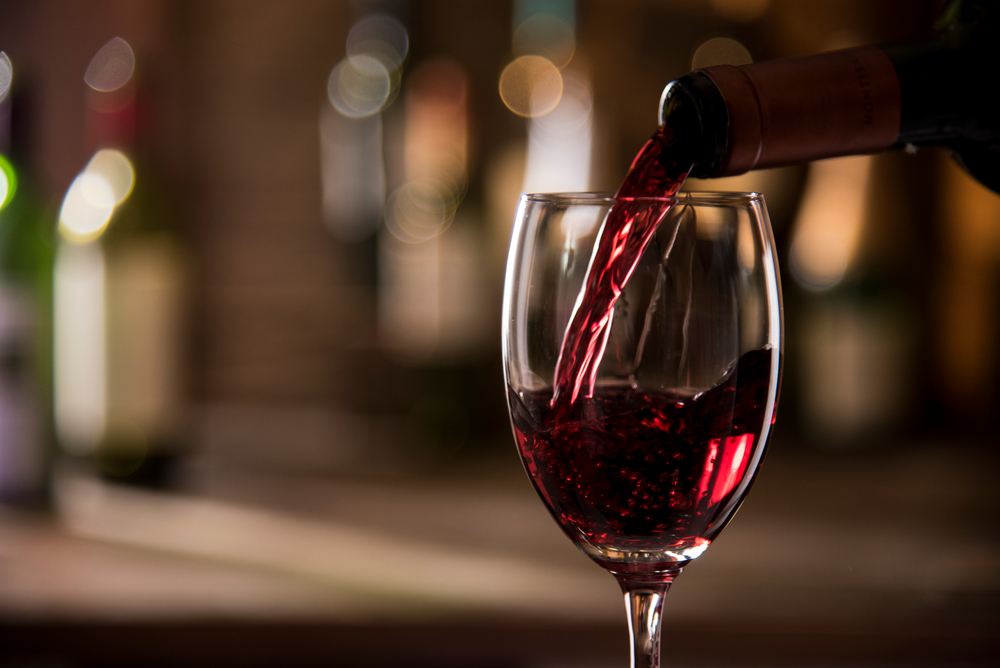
<point>850,560</point>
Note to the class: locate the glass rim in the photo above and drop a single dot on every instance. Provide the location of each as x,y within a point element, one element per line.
<point>687,196</point>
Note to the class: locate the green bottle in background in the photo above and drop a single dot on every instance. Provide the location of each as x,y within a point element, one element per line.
<point>145,288</point>
<point>26,256</point>
<point>146,291</point>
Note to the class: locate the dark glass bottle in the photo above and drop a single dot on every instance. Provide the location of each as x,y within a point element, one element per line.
<point>145,264</point>
<point>855,101</point>
<point>26,256</point>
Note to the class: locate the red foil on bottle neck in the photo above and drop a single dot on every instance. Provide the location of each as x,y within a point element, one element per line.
<point>783,112</point>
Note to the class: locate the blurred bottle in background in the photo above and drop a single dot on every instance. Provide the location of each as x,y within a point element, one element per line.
<point>26,253</point>
<point>125,404</point>
<point>853,318</point>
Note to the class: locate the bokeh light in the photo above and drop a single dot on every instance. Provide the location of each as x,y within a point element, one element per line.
<point>531,86</point>
<point>545,35</point>
<point>560,142</point>
<point>79,346</point>
<point>359,86</point>
<point>573,111</point>
<point>87,208</point>
<point>379,36</point>
<point>418,211</point>
<point>111,67</point>
<point>92,197</point>
<point>831,220</point>
<point>6,75</point>
<point>116,170</point>
<point>720,51</point>
<point>8,182</point>
<point>434,153</point>
<point>436,145</point>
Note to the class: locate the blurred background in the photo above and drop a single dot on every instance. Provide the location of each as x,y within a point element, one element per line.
<point>251,398</point>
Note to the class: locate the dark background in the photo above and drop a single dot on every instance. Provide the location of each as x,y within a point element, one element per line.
<point>314,423</point>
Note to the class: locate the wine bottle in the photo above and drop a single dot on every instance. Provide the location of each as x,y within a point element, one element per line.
<point>26,255</point>
<point>855,101</point>
<point>145,288</point>
<point>146,301</point>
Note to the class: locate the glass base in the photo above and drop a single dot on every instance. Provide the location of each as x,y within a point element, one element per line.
<point>664,562</point>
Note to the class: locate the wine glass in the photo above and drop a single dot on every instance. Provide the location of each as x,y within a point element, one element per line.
<point>647,463</point>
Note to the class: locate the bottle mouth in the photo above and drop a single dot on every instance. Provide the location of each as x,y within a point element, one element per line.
<point>696,108</point>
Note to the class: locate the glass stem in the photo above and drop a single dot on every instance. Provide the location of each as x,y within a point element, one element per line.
<point>644,603</point>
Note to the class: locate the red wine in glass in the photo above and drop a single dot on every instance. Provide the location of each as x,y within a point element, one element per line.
<point>627,470</point>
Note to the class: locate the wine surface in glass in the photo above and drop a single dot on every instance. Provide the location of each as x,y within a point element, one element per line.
<point>628,473</point>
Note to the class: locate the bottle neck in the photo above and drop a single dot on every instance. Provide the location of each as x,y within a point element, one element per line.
<point>855,101</point>
<point>800,109</point>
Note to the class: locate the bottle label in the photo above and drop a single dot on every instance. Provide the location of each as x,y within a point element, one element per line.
<point>794,110</point>
<point>145,342</point>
